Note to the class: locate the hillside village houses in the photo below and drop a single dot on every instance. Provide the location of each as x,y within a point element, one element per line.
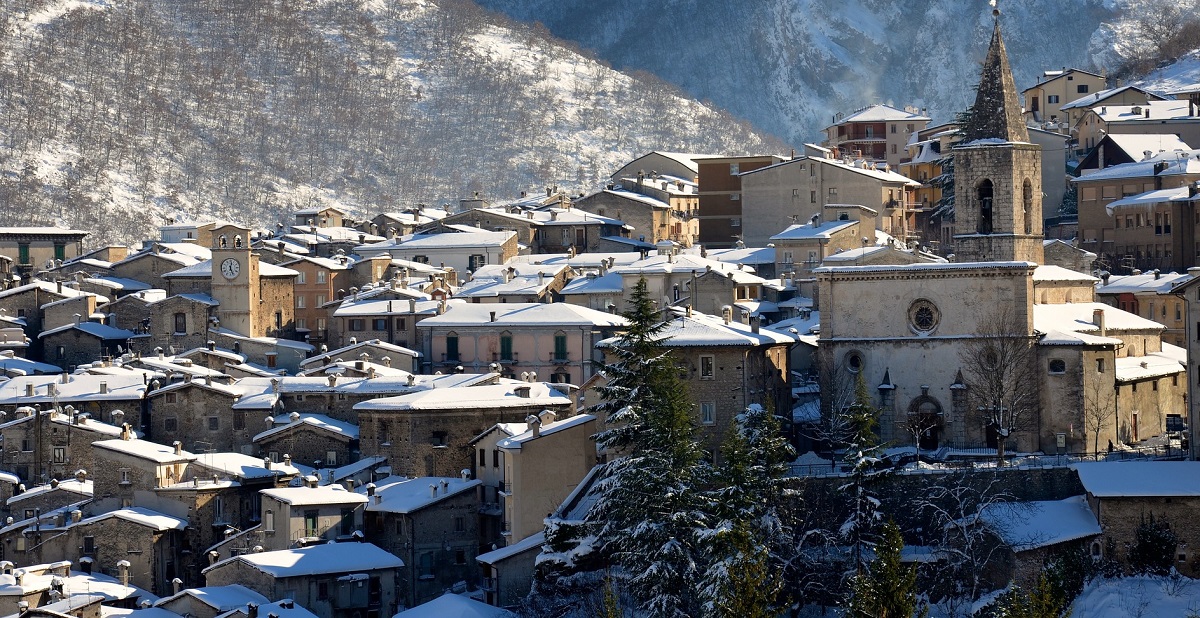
<point>351,415</point>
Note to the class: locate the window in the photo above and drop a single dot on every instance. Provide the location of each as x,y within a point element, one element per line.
<point>560,346</point>
<point>322,591</point>
<point>708,413</point>
<point>706,367</point>
<point>331,458</point>
<point>854,362</point>
<point>438,438</point>
<point>474,262</point>
<point>301,323</point>
<point>495,458</point>
<point>1052,98</point>
<point>734,169</point>
<point>320,300</point>
<point>278,319</point>
<point>170,425</point>
<point>322,276</point>
<point>60,251</point>
<point>1081,89</point>
<point>460,524</point>
<point>482,457</point>
<point>1099,365</point>
<point>357,324</point>
<point>124,476</point>
<point>310,523</point>
<point>506,351</point>
<point>300,277</point>
<point>893,149</point>
<point>60,454</point>
<point>23,253</point>
<point>379,324</point>
<point>893,129</point>
<point>1058,366</point>
<point>735,222</point>
<point>451,346</point>
<point>171,398</point>
<point>299,301</point>
<point>460,557</point>
<point>89,544</point>
<point>180,323</point>
<point>214,423</point>
<point>735,197</point>
<point>239,419</point>
<point>812,197</point>
<point>321,324</point>
<point>832,191</point>
<point>347,523</point>
<point>26,445</point>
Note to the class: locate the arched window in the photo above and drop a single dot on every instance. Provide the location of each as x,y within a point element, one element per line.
<point>237,241</point>
<point>985,207</point>
<point>222,242</point>
<point>1027,205</point>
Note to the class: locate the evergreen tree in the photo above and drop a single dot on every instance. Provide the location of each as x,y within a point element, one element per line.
<point>751,542</point>
<point>864,455</point>
<point>1043,602</point>
<point>650,512</point>
<point>887,588</point>
<point>1154,546</point>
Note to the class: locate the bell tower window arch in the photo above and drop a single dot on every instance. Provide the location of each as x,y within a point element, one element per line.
<point>984,193</point>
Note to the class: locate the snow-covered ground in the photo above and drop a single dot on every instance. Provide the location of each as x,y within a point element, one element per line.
<point>1132,597</point>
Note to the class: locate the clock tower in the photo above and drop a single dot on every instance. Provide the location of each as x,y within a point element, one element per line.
<point>235,279</point>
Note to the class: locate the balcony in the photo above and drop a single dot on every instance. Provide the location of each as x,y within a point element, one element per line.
<point>557,358</point>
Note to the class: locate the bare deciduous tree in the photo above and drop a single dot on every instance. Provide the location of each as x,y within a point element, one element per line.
<point>1098,409</point>
<point>1000,368</point>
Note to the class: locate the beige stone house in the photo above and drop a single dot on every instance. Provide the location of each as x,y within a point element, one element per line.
<point>877,133</point>
<point>97,395</point>
<point>1054,89</point>
<point>206,602</point>
<point>553,340</point>
<point>463,251</point>
<point>801,247</point>
<point>431,523</point>
<point>301,516</point>
<point>311,439</point>
<point>428,432</point>
<point>334,580</point>
<point>46,498</point>
<point>1171,117</point>
<point>39,248</point>
<point>26,302</point>
<point>127,467</point>
<point>53,445</point>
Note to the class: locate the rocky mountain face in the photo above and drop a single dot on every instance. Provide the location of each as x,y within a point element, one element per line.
<point>788,65</point>
<point>117,115</point>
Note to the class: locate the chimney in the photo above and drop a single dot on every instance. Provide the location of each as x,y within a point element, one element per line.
<point>251,610</point>
<point>727,314</point>
<point>65,378</point>
<point>287,459</point>
<point>445,487</point>
<point>80,475</point>
<point>745,317</point>
<point>465,474</point>
<point>208,379</point>
<point>78,317</point>
<point>178,447</point>
<point>412,379</point>
<point>104,388</point>
<point>491,316</point>
<point>534,424</point>
<point>212,345</point>
<point>412,306</point>
<point>1098,320</point>
<point>522,392</point>
<point>177,585</point>
<point>123,567</point>
<point>187,378</point>
<point>754,322</point>
<point>432,491</point>
<point>378,498</point>
<point>76,516</point>
<point>370,489</point>
<point>332,380</point>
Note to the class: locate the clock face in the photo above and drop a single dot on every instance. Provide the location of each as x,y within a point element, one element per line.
<point>230,268</point>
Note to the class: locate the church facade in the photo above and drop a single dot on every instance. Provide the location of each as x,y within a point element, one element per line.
<point>921,336</point>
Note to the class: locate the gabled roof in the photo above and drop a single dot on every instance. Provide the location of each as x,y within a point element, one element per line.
<point>220,598</point>
<point>1140,479</point>
<point>451,605</point>
<point>404,495</point>
<point>141,516</point>
<point>316,421</point>
<point>301,496</point>
<point>1101,95</point>
<point>823,230</point>
<point>503,395</point>
<point>1152,283</point>
<point>515,442</point>
<point>1056,74</point>
<point>510,315</point>
<point>144,449</point>
<point>1030,525</point>
<point>1148,199</point>
<point>880,113</point>
<point>700,330</point>
<point>95,329</point>
<point>50,288</point>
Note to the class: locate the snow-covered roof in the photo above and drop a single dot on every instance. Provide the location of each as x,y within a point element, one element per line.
<point>316,421</point>
<point>241,466</point>
<point>880,113</point>
<point>444,241</point>
<point>451,605</point>
<point>17,366</point>
<point>492,288</point>
<point>142,516</point>
<point>95,329</point>
<point>351,307</point>
<point>1100,96</point>
<point>1049,272</point>
<point>1046,243</point>
<point>1171,360</point>
<point>922,266</point>
<point>1077,318</point>
<point>121,284</point>
<point>503,395</point>
<point>532,541</point>
<point>1137,144</point>
<point>220,598</point>
<point>750,255</point>
<point>1140,284</point>
<point>609,283</point>
<point>70,486</point>
<point>510,315</point>
<point>303,496</point>
<point>400,494</point>
<point>858,167</point>
<point>681,263</point>
<point>79,387</point>
<point>701,330</point>
<point>1146,112</point>
<point>349,351</point>
<point>823,230</point>
<point>144,449</point>
<point>516,441</point>
<point>318,560</point>
<point>1145,201</point>
<point>1140,479</point>
<point>1029,525</point>
<point>52,288</point>
<point>1175,164</point>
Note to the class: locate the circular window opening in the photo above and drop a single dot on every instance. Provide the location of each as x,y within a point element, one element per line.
<point>923,316</point>
<point>1058,365</point>
<point>854,362</point>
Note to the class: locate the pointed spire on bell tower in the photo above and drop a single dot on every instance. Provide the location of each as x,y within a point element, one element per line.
<point>997,110</point>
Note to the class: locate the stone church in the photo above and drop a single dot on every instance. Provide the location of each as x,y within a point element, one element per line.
<point>913,332</point>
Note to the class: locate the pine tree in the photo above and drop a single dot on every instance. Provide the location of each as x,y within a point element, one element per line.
<point>650,510</point>
<point>887,589</point>
<point>864,455</point>
<point>751,542</point>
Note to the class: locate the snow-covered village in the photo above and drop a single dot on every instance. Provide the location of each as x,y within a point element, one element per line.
<point>409,309</point>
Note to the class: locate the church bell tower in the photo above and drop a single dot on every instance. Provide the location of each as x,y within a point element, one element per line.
<point>997,172</point>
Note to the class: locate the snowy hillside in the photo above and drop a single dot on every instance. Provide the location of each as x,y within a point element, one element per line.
<point>1181,74</point>
<point>117,114</point>
<point>789,65</point>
